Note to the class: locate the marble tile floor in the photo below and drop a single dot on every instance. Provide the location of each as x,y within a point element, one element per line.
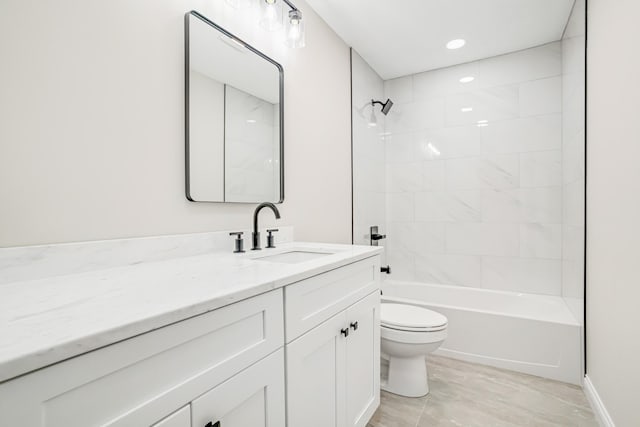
<point>472,395</point>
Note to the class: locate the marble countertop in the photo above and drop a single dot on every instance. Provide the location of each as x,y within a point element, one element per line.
<point>48,320</point>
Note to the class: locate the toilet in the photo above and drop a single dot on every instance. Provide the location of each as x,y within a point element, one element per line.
<point>408,333</point>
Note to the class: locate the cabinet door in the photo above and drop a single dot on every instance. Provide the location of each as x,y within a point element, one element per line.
<point>316,376</point>
<point>252,398</point>
<point>180,418</point>
<point>363,360</point>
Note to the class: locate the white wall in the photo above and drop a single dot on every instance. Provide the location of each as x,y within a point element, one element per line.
<point>92,126</point>
<point>478,205</point>
<point>613,206</point>
<point>368,152</point>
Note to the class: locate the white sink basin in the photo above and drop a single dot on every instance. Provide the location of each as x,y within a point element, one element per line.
<point>293,257</point>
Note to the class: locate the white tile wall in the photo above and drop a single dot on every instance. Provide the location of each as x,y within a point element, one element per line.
<point>400,89</point>
<point>573,156</point>
<point>494,103</point>
<point>441,205</point>
<point>496,171</point>
<point>531,275</point>
<point>463,270</point>
<point>523,135</point>
<point>541,240</point>
<point>541,169</point>
<point>541,97</point>
<point>478,205</point>
<point>483,239</point>
<point>404,177</point>
<point>496,206</point>
<point>448,143</point>
<point>400,207</point>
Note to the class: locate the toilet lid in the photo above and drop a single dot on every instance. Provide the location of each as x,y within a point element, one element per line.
<point>410,317</point>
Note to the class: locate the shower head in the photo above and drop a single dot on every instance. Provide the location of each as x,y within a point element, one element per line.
<point>385,107</point>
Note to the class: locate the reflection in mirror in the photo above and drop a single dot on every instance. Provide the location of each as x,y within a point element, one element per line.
<point>233,118</point>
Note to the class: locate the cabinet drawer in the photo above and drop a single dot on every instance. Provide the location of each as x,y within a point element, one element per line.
<point>253,398</point>
<point>312,301</point>
<point>139,381</point>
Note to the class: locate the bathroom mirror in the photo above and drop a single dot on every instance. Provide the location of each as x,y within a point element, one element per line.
<point>234,118</point>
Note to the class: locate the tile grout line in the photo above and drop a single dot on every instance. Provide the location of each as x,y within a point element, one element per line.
<point>424,406</point>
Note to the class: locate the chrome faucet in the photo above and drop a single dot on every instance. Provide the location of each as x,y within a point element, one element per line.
<point>255,236</point>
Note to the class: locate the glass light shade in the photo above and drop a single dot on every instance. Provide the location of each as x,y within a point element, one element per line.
<point>271,15</point>
<point>294,32</point>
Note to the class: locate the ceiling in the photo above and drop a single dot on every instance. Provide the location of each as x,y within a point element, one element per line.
<point>401,37</point>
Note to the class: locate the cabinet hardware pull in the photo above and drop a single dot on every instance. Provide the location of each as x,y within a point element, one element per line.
<point>210,424</point>
<point>345,332</point>
<point>354,325</point>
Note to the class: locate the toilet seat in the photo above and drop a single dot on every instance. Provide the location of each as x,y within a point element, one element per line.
<point>413,337</point>
<point>410,318</point>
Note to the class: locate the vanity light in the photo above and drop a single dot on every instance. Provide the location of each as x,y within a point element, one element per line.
<point>271,20</point>
<point>295,30</point>
<point>466,109</point>
<point>456,44</point>
<point>271,15</point>
<point>467,79</point>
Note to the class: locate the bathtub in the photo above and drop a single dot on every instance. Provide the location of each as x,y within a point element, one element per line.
<point>534,334</point>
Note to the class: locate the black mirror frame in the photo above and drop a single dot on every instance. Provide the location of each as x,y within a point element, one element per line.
<point>186,103</point>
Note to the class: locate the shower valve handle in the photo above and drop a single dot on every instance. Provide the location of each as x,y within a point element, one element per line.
<point>374,236</point>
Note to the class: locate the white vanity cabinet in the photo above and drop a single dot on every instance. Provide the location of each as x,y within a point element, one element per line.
<point>303,355</point>
<point>333,369</point>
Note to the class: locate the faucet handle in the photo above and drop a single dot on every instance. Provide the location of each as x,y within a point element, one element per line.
<point>271,238</point>
<point>239,248</point>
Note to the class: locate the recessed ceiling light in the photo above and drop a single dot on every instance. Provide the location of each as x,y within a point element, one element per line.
<point>466,109</point>
<point>251,121</point>
<point>483,121</point>
<point>467,79</point>
<point>456,44</point>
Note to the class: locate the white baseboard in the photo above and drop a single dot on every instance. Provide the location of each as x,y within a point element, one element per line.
<point>598,407</point>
